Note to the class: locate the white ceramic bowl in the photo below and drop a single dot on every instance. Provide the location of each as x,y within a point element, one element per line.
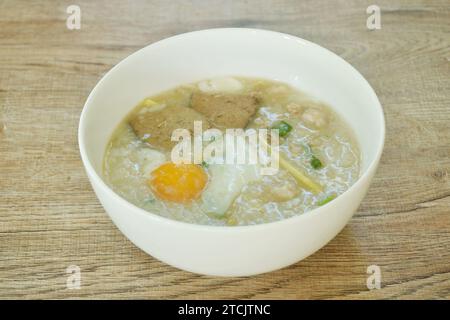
<point>244,250</point>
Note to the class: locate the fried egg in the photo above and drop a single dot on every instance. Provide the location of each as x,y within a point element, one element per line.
<point>214,186</point>
<point>215,189</point>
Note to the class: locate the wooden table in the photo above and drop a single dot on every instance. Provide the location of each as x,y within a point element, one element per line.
<point>50,218</point>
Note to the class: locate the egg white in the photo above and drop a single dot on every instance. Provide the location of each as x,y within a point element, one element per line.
<point>226,182</point>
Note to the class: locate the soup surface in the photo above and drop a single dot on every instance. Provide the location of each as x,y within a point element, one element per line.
<point>319,157</point>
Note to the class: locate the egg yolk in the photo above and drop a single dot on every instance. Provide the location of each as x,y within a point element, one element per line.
<point>178,182</point>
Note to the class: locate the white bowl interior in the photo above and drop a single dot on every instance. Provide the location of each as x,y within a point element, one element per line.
<point>240,52</point>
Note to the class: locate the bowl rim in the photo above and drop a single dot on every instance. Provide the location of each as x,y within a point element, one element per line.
<point>98,181</point>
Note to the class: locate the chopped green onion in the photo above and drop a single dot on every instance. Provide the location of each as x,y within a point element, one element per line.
<point>283,128</point>
<point>315,163</point>
<point>326,200</point>
<point>205,164</point>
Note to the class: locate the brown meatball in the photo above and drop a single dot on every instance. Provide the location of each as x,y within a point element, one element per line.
<point>225,110</point>
<point>156,127</point>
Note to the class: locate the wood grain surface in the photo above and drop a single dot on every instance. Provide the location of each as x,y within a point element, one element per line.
<point>50,218</point>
